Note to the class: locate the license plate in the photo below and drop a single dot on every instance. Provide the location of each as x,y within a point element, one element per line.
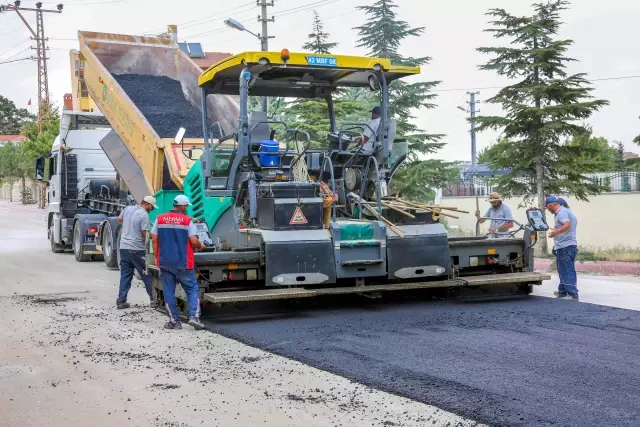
<point>89,239</point>
<point>324,61</point>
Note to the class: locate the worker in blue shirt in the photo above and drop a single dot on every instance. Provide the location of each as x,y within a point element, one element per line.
<point>501,216</point>
<point>565,246</point>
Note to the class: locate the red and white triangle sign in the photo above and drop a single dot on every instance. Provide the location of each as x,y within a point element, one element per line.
<point>298,217</point>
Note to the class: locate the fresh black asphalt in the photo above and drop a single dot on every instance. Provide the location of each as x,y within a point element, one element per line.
<point>162,102</point>
<point>529,361</point>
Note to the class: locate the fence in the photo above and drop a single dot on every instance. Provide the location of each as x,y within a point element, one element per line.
<point>612,182</point>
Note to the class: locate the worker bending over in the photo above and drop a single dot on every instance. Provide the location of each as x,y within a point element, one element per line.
<point>174,240</point>
<point>135,225</point>
<point>501,217</point>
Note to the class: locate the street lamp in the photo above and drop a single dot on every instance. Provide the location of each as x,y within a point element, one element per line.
<point>238,26</point>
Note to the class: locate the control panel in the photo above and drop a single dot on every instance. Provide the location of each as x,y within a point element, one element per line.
<point>537,220</point>
<point>203,234</point>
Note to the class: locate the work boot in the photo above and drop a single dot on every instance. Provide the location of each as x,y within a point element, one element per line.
<point>559,295</point>
<point>572,298</point>
<point>196,323</point>
<point>173,325</point>
<point>154,304</point>
<point>122,305</point>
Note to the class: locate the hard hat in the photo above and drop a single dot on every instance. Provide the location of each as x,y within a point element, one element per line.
<point>151,200</point>
<point>181,200</point>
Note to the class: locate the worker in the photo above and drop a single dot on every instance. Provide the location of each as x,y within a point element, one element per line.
<point>174,238</point>
<point>500,214</point>
<point>135,226</point>
<point>565,246</point>
<point>563,203</point>
<point>369,133</point>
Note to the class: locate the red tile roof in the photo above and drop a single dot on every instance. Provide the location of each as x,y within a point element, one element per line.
<point>12,138</point>
<point>210,58</point>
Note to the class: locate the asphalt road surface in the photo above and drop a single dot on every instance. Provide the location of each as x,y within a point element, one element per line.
<point>529,361</point>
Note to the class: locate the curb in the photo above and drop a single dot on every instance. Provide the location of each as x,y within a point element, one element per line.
<point>599,267</point>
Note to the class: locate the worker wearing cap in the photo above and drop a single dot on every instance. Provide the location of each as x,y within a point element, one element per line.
<point>565,245</point>
<point>135,225</point>
<point>500,215</point>
<point>370,131</point>
<point>174,239</point>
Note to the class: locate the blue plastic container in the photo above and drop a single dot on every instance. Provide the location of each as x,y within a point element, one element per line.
<point>269,154</point>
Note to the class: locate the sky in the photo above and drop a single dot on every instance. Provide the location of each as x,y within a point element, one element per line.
<point>604,35</point>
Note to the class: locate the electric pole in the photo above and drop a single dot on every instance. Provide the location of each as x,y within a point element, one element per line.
<point>41,53</point>
<point>264,35</point>
<point>472,115</point>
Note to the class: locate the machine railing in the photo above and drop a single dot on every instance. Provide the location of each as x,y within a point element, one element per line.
<point>365,181</point>
<point>327,159</point>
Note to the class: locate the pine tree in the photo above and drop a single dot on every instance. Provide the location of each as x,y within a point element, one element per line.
<point>318,39</point>
<point>312,115</point>
<point>381,36</point>
<point>542,107</point>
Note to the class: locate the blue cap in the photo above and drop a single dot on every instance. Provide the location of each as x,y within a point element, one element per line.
<point>551,199</point>
<point>376,110</point>
<point>562,202</point>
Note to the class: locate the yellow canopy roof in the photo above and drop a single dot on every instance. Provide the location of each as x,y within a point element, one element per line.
<point>305,75</point>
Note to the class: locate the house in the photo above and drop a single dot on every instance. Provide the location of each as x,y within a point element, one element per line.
<point>13,139</point>
<point>630,155</point>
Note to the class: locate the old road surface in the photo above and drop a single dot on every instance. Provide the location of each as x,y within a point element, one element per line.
<point>68,358</point>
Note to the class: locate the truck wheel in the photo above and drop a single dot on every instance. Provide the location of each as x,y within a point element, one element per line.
<point>108,248</point>
<point>77,243</point>
<point>55,248</point>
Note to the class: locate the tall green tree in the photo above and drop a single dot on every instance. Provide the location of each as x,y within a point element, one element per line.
<point>312,115</point>
<point>11,117</point>
<point>382,36</point>
<point>318,40</point>
<point>542,106</point>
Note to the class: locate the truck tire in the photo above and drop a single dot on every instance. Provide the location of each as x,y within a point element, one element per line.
<point>55,248</point>
<point>77,243</point>
<point>109,250</point>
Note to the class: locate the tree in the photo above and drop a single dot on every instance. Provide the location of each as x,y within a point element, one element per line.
<point>596,152</point>
<point>318,39</point>
<point>619,156</point>
<point>381,36</point>
<point>12,118</point>
<point>542,107</point>
<point>312,115</point>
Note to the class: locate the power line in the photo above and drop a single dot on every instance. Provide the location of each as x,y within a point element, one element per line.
<point>21,43</point>
<point>501,87</point>
<point>17,60</point>
<point>204,20</point>
<point>304,7</point>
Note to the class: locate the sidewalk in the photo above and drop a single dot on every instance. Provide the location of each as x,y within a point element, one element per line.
<point>600,267</point>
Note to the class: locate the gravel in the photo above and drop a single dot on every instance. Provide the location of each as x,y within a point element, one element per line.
<point>522,362</point>
<point>162,102</point>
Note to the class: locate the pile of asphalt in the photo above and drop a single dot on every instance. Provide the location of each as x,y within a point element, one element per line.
<point>524,362</point>
<point>162,102</point>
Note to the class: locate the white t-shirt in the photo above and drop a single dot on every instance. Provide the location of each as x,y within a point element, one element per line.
<point>368,146</point>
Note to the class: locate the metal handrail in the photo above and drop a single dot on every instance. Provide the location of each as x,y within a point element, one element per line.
<point>333,184</point>
<point>378,187</point>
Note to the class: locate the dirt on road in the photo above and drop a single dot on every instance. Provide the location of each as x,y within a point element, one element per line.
<point>69,358</point>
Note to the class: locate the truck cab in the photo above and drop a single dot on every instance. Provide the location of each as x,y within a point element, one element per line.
<point>76,169</point>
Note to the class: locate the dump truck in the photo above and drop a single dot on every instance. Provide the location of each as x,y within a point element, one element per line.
<point>280,220</point>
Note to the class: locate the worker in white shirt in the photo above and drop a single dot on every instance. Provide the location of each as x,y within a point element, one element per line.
<point>369,134</point>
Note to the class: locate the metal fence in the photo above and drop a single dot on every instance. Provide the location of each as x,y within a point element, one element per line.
<point>612,182</point>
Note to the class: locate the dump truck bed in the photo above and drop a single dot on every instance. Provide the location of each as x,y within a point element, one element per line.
<point>134,82</point>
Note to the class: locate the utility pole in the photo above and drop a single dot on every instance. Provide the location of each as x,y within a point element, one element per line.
<point>264,35</point>
<point>472,115</point>
<point>41,53</point>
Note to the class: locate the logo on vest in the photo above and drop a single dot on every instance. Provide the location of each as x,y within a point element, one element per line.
<point>298,217</point>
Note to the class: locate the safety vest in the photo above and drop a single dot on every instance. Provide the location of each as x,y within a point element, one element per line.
<point>174,249</point>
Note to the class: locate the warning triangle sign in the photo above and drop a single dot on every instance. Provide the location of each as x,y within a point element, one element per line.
<point>298,217</point>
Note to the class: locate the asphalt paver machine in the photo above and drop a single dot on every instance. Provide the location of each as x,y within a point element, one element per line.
<point>261,194</point>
